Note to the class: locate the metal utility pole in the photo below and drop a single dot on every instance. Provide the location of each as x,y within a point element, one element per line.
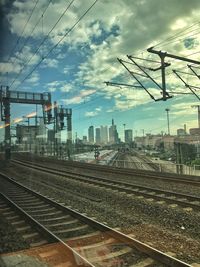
<point>59,114</point>
<point>167,110</point>
<point>165,94</point>
<point>198,110</point>
<point>6,118</point>
<point>162,55</point>
<point>55,126</point>
<point>69,131</point>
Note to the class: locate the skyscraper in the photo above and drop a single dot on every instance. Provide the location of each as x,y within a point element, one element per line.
<point>113,134</point>
<point>104,134</point>
<point>98,135</point>
<point>91,134</point>
<point>128,135</point>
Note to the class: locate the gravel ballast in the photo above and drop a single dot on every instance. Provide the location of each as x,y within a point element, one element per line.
<point>164,227</point>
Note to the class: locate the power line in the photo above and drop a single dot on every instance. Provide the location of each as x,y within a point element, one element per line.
<point>174,41</point>
<point>21,35</point>
<point>28,38</point>
<point>42,42</point>
<point>175,35</point>
<point>61,39</point>
<point>172,37</point>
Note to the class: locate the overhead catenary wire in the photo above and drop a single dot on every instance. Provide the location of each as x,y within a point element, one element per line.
<point>42,42</point>
<point>28,38</point>
<point>183,38</point>
<point>21,35</point>
<point>61,39</point>
<point>176,35</point>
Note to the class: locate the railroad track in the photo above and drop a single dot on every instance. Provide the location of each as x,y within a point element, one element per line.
<point>130,161</point>
<point>88,241</point>
<point>28,230</point>
<point>169,197</point>
<point>164,177</point>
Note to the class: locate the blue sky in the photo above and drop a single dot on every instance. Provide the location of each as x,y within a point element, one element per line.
<point>75,70</point>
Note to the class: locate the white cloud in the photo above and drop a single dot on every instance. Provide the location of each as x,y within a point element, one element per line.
<point>93,113</point>
<point>66,70</point>
<point>83,96</point>
<point>183,109</point>
<point>66,88</point>
<point>8,67</point>
<point>50,63</point>
<point>139,25</point>
<point>34,78</point>
<point>61,86</point>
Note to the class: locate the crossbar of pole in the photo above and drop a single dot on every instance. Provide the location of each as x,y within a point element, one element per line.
<point>144,59</point>
<point>122,84</point>
<point>165,54</point>
<point>148,76</point>
<point>160,67</point>
<point>195,73</point>
<point>193,66</point>
<point>193,86</point>
<point>186,85</point>
<point>128,62</point>
<point>122,63</point>
<point>183,72</point>
<point>139,74</point>
<point>180,93</point>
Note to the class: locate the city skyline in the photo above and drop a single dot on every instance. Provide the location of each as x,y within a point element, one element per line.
<point>130,134</point>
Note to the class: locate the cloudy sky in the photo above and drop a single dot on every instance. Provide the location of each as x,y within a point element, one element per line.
<point>70,48</point>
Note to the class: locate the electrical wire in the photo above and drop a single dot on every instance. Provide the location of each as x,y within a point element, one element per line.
<point>42,42</point>
<point>28,38</point>
<point>21,35</point>
<point>61,39</point>
<point>176,35</point>
<point>179,40</point>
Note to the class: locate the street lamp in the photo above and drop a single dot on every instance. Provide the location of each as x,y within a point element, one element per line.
<point>167,110</point>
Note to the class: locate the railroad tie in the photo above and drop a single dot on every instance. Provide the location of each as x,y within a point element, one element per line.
<point>144,263</point>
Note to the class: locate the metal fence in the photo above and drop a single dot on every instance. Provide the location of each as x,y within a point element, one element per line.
<point>157,167</point>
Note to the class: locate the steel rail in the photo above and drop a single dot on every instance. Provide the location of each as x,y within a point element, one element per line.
<point>113,184</point>
<point>142,247</point>
<point>45,231</point>
<point>184,179</point>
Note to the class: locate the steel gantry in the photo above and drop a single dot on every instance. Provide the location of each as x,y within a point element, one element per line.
<point>20,97</point>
